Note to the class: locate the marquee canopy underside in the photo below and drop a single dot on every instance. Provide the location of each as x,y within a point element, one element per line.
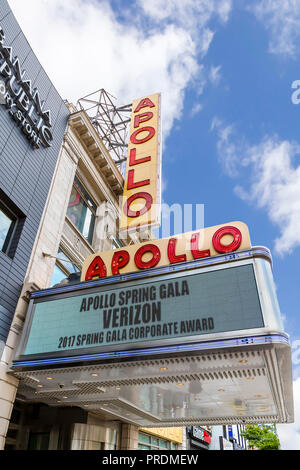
<point>240,384</point>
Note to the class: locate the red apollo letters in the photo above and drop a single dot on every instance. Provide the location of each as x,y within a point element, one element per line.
<point>139,136</point>
<point>120,258</point>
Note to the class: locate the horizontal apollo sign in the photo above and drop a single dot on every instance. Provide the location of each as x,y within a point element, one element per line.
<point>142,186</point>
<point>150,311</point>
<point>210,241</point>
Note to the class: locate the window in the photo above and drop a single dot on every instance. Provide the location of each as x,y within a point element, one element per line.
<point>148,442</point>
<point>8,223</point>
<point>63,268</point>
<point>12,221</point>
<point>116,243</point>
<point>82,210</point>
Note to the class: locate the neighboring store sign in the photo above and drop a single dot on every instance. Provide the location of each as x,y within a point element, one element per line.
<point>142,186</point>
<point>203,243</point>
<point>201,434</point>
<point>172,434</point>
<point>22,100</point>
<point>152,311</point>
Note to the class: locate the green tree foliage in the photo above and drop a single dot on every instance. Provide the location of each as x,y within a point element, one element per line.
<point>261,437</point>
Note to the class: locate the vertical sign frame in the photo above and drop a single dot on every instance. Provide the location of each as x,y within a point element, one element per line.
<point>141,201</point>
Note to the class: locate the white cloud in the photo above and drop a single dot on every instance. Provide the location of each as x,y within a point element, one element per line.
<point>83,47</point>
<point>191,14</point>
<point>196,109</point>
<point>273,179</point>
<point>282,19</point>
<point>289,434</point>
<point>215,75</point>
<point>227,146</point>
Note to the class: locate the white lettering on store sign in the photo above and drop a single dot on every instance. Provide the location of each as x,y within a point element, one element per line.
<point>22,100</point>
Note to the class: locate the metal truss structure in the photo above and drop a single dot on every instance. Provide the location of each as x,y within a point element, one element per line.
<point>110,121</point>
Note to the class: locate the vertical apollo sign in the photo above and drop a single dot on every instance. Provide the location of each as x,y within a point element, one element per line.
<point>140,207</point>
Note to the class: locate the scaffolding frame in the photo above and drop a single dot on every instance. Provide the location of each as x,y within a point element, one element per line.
<point>110,121</point>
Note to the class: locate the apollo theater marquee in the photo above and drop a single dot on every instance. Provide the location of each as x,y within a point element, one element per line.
<point>176,331</point>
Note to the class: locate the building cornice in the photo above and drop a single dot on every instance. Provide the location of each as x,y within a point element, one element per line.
<point>88,137</point>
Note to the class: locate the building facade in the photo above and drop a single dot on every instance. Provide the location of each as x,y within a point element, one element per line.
<point>27,164</point>
<point>59,203</point>
<point>228,438</point>
<point>33,119</point>
<point>160,367</point>
<point>80,218</point>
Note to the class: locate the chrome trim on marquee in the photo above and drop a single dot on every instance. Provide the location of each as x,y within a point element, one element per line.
<point>174,268</point>
<point>180,348</point>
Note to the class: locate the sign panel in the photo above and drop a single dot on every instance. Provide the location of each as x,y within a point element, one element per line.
<point>22,99</point>
<point>159,309</point>
<point>172,434</point>
<point>199,433</point>
<point>210,241</point>
<point>142,186</point>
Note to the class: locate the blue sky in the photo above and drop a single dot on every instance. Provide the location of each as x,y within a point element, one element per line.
<point>230,128</point>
